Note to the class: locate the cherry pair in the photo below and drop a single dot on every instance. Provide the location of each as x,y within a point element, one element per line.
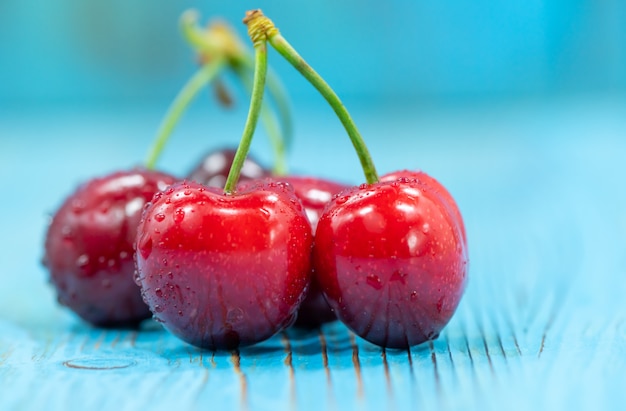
<point>390,256</point>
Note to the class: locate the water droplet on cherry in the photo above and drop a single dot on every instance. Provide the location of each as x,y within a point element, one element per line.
<point>179,215</point>
<point>82,261</point>
<point>374,281</point>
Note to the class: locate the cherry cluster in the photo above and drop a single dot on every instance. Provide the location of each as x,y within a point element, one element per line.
<point>234,253</point>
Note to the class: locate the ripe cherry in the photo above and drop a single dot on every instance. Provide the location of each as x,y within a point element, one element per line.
<point>89,247</point>
<point>220,268</point>
<point>214,167</point>
<point>224,270</point>
<point>392,261</point>
<point>314,193</point>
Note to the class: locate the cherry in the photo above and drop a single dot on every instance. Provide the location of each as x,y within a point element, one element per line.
<point>89,247</point>
<point>224,270</point>
<point>314,193</point>
<point>390,256</point>
<point>220,268</point>
<point>437,187</point>
<point>214,167</point>
<point>391,259</point>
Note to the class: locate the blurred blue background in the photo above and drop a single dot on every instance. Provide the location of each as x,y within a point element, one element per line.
<point>68,51</point>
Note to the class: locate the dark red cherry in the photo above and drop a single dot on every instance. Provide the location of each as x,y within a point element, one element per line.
<point>224,270</point>
<point>213,169</point>
<point>89,247</point>
<point>314,193</point>
<point>391,260</point>
<point>436,186</point>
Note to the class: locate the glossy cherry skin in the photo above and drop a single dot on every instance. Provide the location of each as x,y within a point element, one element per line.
<point>391,260</point>
<point>437,187</point>
<point>89,247</point>
<point>314,193</point>
<point>223,271</point>
<point>215,166</point>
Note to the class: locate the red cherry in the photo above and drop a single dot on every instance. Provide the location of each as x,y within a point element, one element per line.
<point>224,270</point>
<point>437,187</point>
<point>213,169</point>
<point>89,247</point>
<point>314,193</point>
<point>391,260</point>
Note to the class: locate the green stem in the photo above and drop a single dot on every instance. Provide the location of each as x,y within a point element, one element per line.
<point>190,30</point>
<point>268,118</point>
<point>278,94</point>
<point>186,95</point>
<point>291,55</point>
<point>262,24</point>
<point>256,101</point>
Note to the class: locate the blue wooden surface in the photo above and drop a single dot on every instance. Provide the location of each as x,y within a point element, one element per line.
<point>542,325</point>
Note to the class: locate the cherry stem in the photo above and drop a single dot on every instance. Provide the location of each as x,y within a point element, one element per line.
<point>256,102</point>
<point>278,93</point>
<point>220,39</point>
<point>291,55</point>
<point>270,123</point>
<point>190,90</point>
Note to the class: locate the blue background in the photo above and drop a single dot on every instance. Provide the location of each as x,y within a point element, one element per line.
<point>517,107</point>
<point>90,51</point>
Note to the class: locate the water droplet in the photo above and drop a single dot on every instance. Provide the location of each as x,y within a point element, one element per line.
<point>180,313</point>
<point>179,215</point>
<point>82,261</point>
<point>78,206</point>
<point>374,281</point>
<point>170,275</point>
<point>123,255</point>
<point>398,276</point>
<point>168,200</point>
<point>164,262</point>
<point>66,235</point>
<point>425,228</point>
<point>158,308</point>
<point>111,263</point>
<point>170,190</point>
<point>341,200</point>
<point>413,295</point>
<point>159,217</point>
<point>187,192</point>
<point>144,246</point>
<point>158,292</point>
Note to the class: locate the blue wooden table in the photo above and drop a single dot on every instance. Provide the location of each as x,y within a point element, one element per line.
<point>541,326</point>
